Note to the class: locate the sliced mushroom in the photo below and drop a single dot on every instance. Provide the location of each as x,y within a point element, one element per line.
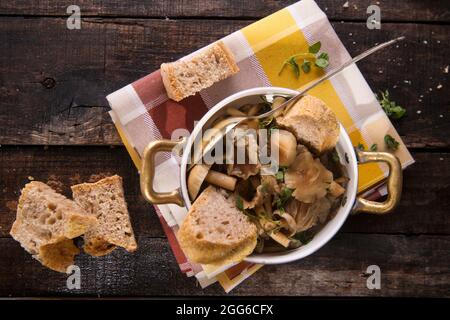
<point>221,180</point>
<point>280,238</point>
<point>336,190</point>
<point>195,179</point>
<point>287,222</point>
<point>287,146</point>
<point>234,112</point>
<point>201,172</point>
<point>308,177</point>
<point>278,101</point>
<point>254,109</point>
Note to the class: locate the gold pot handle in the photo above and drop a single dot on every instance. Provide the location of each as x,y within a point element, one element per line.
<point>394,183</point>
<point>148,174</point>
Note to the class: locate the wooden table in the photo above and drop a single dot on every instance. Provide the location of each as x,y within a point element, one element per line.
<point>54,127</point>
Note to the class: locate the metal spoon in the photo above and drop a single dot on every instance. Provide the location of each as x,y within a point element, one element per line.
<point>238,120</point>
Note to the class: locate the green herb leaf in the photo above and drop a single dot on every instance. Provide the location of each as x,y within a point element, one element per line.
<point>392,110</point>
<point>283,197</point>
<point>294,66</point>
<point>322,60</point>
<point>239,203</point>
<point>335,156</point>
<point>314,48</point>
<point>306,66</point>
<point>374,147</point>
<point>391,143</point>
<point>360,146</point>
<point>304,237</point>
<point>264,123</point>
<point>279,176</point>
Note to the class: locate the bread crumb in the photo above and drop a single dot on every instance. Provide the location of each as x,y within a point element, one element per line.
<point>441,116</point>
<point>442,159</point>
<point>355,7</point>
<point>430,89</point>
<point>439,86</point>
<point>419,111</point>
<point>425,42</point>
<point>446,69</point>
<point>345,5</point>
<point>31,178</point>
<point>380,71</point>
<point>350,34</point>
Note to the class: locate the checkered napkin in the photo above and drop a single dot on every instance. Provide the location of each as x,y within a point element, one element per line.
<point>142,112</point>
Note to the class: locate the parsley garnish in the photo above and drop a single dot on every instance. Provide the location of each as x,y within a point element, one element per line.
<point>239,203</point>
<point>392,110</point>
<point>374,147</point>
<point>391,143</point>
<point>283,197</point>
<point>360,146</point>
<point>280,175</point>
<point>335,156</point>
<point>320,60</point>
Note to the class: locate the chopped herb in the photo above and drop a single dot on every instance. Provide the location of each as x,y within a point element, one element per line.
<point>283,197</point>
<point>280,176</point>
<point>291,61</point>
<point>391,143</point>
<point>360,146</point>
<point>264,123</point>
<point>306,66</point>
<point>374,147</point>
<point>314,48</point>
<point>304,237</point>
<point>335,156</point>
<point>392,110</point>
<point>346,157</point>
<point>239,203</point>
<point>322,60</point>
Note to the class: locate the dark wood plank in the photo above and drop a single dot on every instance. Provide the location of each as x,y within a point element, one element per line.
<point>55,80</point>
<point>422,210</point>
<point>410,266</point>
<point>434,10</point>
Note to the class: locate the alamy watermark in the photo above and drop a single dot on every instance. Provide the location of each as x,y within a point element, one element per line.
<point>74,20</point>
<point>374,20</point>
<point>374,279</point>
<point>74,279</point>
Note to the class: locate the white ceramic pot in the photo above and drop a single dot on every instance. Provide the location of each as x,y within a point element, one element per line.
<point>348,155</point>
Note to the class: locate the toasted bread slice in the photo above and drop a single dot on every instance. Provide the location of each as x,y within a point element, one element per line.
<point>313,123</point>
<point>215,230</point>
<point>184,78</point>
<point>46,221</point>
<point>105,200</point>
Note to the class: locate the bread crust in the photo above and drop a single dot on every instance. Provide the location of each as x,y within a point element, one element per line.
<point>104,237</point>
<point>313,123</point>
<point>46,222</point>
<point>207,250</point>
<point>174,86</point>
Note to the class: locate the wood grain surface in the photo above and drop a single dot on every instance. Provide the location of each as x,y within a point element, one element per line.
<point>54,127</point>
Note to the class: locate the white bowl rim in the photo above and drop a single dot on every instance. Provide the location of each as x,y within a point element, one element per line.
<point>331,227</point>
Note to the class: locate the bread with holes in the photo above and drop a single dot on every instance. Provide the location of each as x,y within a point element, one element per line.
<point>313,123</point>
<point>188,76</point>
<point>215,230</point>
<point>46,222</point>
<point>105,201</point>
